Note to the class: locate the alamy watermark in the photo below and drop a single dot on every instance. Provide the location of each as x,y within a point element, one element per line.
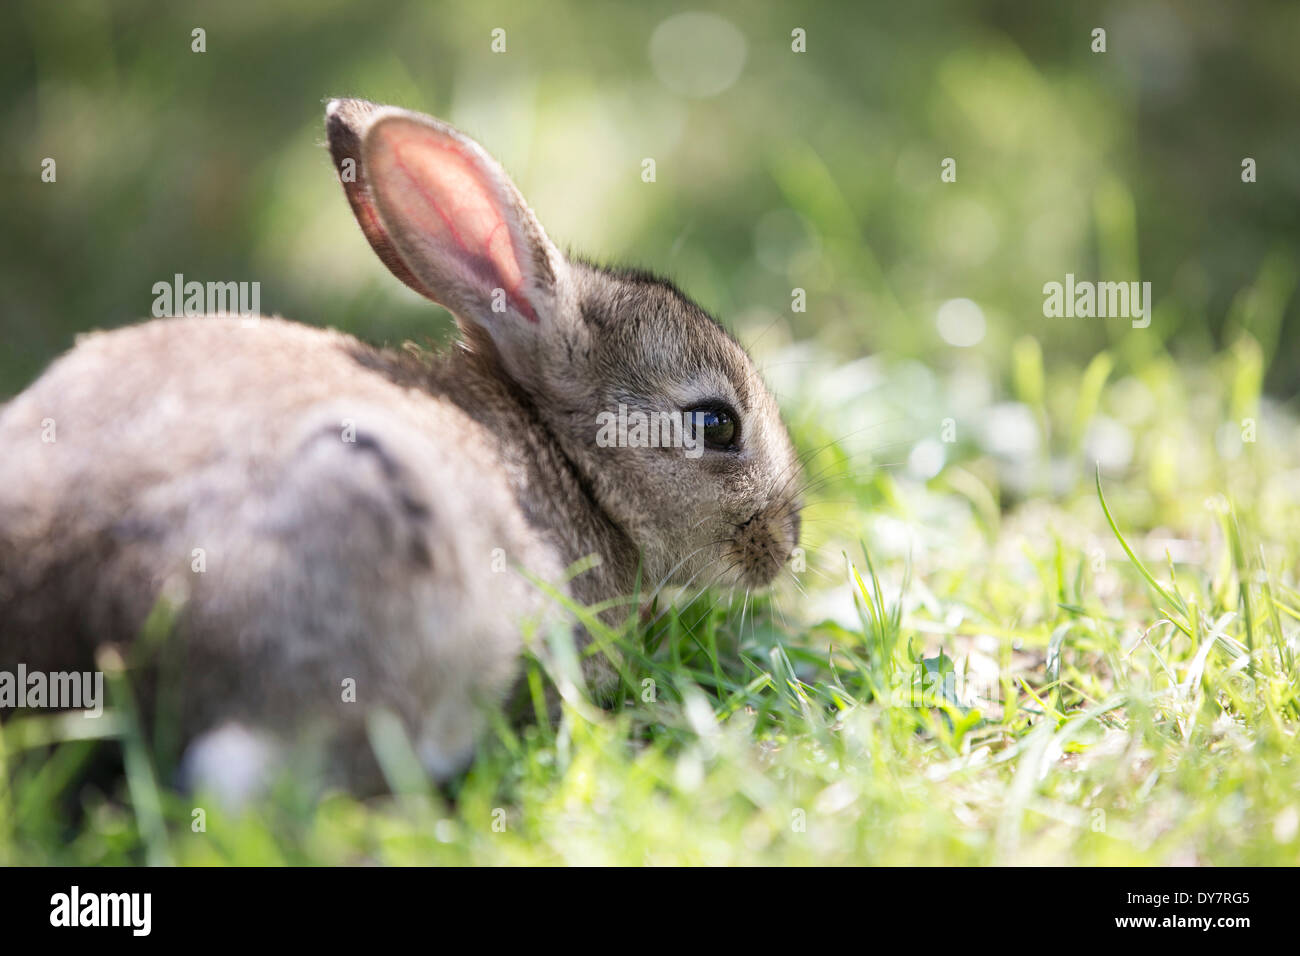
<point>58,690</point>
<point>180,297</point>
<point>133,911</point>
<point>935,686</point>
<point>637,429</point>
<point>1086,300</point>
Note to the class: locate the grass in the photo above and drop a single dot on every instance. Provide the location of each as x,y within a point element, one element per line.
<point>995,651</point>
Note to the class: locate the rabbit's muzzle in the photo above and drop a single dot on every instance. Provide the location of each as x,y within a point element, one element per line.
<point>762,545</point>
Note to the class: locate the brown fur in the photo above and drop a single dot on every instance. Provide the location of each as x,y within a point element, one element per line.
<point>374,559</point>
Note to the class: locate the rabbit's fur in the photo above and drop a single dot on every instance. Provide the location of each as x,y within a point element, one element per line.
<point>369,515</point>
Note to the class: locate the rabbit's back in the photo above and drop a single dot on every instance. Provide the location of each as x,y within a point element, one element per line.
<point>329,537</point>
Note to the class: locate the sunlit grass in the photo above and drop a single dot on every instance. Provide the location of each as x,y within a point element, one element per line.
<point>1104,675</point>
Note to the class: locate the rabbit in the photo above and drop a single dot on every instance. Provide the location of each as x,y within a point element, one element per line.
<point>340,529</point>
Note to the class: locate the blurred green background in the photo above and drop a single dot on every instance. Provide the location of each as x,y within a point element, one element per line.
<point>775,169</point>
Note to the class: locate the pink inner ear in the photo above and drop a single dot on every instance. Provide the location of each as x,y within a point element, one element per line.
<point>446,198</point>
<point>373,229</point>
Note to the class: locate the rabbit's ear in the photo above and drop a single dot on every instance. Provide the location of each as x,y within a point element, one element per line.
<point>462,229</point>
<point>345,123</point>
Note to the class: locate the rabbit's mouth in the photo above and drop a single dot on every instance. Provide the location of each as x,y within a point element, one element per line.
<point>762,545</point>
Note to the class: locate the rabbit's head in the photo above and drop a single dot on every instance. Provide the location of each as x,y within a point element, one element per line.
<point>661,412</point>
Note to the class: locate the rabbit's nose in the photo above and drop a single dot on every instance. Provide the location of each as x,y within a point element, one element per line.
<point>764,543</point>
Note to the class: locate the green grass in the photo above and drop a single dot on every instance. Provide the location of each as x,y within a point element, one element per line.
<point>1132,634</point>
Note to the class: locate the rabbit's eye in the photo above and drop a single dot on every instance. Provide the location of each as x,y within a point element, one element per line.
<point>718,425</point>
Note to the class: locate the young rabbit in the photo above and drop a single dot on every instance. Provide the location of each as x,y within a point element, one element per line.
<point>342,529</point>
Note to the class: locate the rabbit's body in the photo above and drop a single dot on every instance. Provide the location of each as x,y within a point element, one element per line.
<point>324,509</point>
<point>342,528</point>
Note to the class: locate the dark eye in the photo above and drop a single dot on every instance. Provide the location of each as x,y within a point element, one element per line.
<point>721,431</point>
